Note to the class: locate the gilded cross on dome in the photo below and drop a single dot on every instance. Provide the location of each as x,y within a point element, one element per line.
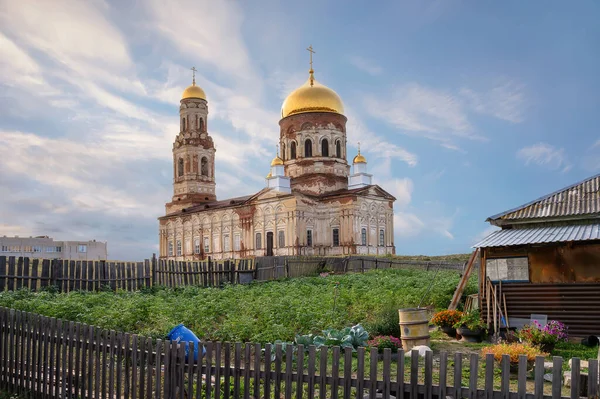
<point>193,75</point>
<point>311,72</point>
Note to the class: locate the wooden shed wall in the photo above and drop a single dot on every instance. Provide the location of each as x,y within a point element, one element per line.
<point>559,263</point>
<point>577,304</point>
<point>564,284</point>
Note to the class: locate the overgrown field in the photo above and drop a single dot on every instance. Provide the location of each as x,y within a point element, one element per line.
<point>261,312</point>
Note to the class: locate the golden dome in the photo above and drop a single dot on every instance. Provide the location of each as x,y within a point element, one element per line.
<point>193,91</point>
<point>269,175</point>
<point>277,161</point>
<point>359,159</point>
<point>312,97</point>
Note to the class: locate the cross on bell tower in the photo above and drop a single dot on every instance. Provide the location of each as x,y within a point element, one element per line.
<point>311,71</point>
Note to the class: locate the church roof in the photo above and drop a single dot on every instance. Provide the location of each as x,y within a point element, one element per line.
<point>237,201</point>
<point>359,190</point>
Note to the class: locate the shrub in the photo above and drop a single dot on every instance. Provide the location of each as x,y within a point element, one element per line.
<point>512,350</point>
<point>471,320</point>
<point>385,341</point>
<point>386,321</point>
<point>446,318</point>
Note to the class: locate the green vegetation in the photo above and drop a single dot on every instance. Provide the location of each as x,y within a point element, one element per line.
<point>568,350</point>
<point>454,258</point>
<point>260,312</point>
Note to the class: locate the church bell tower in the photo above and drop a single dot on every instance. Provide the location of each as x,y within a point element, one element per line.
<point>193,153</point>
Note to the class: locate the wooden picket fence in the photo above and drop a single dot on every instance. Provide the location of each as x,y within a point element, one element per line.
<point>44,357</point>
<point>200,273</point>
<point>93,275</point>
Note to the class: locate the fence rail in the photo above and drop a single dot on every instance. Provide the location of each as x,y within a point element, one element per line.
<point>275,267</point>
<point>93,275</point>
<point>48,358</point>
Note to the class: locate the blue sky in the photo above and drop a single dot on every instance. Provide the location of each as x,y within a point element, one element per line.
<point>464,109</point>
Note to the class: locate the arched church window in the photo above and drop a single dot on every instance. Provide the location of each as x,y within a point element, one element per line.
<point>183,123</point>
<point>338,149</point>
<point>363,236</point>
<point>180,167</point>
<point>258,241</point>
<point>293,150</point>
<point>324,148</point>
<point>201,125</point>
<point>308,148</point>
<point>197,122</point>
<point>204,166</point>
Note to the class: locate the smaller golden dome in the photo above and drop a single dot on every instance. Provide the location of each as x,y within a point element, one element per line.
<point>269,175</point>
<point>359,159</point>
<point>277,161</point>
<point>193,91</point>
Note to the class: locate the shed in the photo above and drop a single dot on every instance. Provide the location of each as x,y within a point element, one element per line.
<point>547,256</point>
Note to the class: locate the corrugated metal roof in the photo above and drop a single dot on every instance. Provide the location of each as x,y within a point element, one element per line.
<point>581,198</point>
<point>539,235</point>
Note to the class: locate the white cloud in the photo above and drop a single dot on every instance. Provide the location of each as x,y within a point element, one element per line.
<point>366,65</point>
<point>422,111</point>
<point>206,31</point>
<point>371,143</point>
<point>70,31</point>
<point>544,154</point>
<point>506,101</point>
<point>407,225</point>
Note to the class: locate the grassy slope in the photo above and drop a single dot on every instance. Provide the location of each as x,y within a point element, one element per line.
<point>261,312</point>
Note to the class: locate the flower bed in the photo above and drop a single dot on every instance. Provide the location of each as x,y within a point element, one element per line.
<point>385,341</point>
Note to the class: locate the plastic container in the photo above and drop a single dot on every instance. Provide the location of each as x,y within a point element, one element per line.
<point>181,333</point>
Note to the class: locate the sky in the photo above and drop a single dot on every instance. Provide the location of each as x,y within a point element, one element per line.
<point>463,109</point>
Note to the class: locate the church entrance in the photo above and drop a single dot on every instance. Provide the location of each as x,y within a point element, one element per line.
<point>270,243</point>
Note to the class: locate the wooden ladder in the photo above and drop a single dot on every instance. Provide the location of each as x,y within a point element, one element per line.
<point>463,281</point>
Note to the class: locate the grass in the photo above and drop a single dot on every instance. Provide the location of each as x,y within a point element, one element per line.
<point>260,312</point>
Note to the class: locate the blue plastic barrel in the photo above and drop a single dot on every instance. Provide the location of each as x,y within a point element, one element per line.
<point>181,333</point>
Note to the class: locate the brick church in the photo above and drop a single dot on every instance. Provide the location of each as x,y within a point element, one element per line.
<point>313,202</point>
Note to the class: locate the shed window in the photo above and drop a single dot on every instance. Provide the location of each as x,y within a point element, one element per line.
<point>507,269</point>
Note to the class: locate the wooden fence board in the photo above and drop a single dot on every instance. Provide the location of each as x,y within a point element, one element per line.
<point>46,357</point>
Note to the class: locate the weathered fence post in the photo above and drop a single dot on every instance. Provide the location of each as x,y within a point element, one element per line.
<point>153,282</point>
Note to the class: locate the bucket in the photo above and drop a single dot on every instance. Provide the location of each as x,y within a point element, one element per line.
<point>414,327</point>
<point>181,333</point>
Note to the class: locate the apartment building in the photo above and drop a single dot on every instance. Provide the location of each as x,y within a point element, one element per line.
<point>48,248</point>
